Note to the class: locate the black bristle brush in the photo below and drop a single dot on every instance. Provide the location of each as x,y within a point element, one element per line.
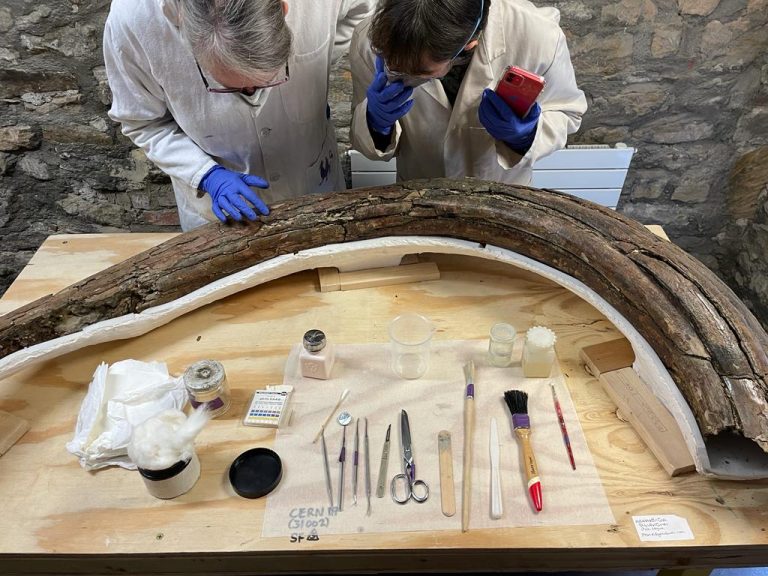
<point>517,402</point>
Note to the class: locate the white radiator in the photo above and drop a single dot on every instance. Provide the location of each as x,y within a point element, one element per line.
<point>593,172</point>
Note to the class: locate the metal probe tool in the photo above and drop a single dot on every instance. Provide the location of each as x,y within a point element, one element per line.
<point>367,471</point>
<point>328,484</point>
<point>355,461</point>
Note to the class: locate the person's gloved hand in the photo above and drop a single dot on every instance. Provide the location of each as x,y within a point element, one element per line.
<point>503,124</point>
<point>230,193</point>
<point>387,103</point>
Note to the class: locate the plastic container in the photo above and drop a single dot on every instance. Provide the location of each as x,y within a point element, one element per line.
<point>500,344</point>
<point>410,339</point>
<point>173,481</point>
<point>538,352</point>
<point>206,383</point>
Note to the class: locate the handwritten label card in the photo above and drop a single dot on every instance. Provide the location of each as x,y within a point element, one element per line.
<point>662,528</point>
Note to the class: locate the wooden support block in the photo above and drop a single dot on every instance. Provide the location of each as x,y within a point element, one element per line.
<point>684,572</point>
<point>331,279</point>
<point>658,230</point>
<point>611,362</point>
<point>608,356</point>
<point>12,428</point>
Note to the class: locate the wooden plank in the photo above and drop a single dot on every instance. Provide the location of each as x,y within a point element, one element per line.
<point>611,362</point>
<point>434,559</point>
<point>106,522</point>
<point>608,356</point>
<point>12,428</point>
<point>70,258</point>
<point>684,572</point>
<point>658,230</point>
<point>331,279</point>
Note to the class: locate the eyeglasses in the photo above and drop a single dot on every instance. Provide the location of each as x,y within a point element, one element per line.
<point>414,81</point>
<point>281,80</point>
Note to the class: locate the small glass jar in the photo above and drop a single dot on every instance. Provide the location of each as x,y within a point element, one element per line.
<point>206,383</point>
<point>316,356</point>
<point>501,343</point>
<point>538,352</point>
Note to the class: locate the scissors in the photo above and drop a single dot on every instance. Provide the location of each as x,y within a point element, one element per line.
<point>413,489</point>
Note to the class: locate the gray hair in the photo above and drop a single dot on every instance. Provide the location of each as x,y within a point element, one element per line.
<point>243,36</point>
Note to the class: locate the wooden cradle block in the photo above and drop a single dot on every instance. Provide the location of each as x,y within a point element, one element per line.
<point>611,363</point>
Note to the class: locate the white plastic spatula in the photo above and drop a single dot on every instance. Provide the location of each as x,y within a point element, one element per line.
<point>496,506</point>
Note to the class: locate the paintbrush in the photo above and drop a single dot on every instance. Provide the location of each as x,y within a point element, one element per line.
<point>563,429</point>
<point>517,402</point>
<point>469,422</point>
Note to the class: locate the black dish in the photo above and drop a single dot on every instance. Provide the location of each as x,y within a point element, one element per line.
<point>256,472</point>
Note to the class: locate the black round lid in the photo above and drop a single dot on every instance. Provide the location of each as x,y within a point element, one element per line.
<point>256,472</point>
<point>314,340</point>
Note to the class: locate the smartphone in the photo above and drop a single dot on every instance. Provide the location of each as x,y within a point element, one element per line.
<point>519,89</point>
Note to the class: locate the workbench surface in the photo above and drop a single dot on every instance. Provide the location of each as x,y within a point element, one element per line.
<point>106,522</point>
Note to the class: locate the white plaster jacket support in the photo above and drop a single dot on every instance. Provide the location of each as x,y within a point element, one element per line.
<point>436,140</point>
<point>164,108</point>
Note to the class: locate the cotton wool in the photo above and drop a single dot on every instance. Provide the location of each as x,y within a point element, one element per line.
<point>168,438</point>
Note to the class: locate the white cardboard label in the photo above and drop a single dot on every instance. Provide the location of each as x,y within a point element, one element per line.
<point>662,528</point>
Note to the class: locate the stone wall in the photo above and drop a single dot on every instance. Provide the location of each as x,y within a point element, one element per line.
<point>683,81</point>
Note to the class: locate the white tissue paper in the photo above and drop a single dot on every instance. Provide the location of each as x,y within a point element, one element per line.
<point>119,398</point>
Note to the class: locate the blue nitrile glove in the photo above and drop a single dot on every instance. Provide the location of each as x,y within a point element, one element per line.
<point>387,103</point>
<point>230,192</point>
<point>502,123</point>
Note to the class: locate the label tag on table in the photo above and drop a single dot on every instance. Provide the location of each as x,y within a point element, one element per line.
<point>662,528</point>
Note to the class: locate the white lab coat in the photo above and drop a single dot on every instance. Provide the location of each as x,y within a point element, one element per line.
<point>437,140</point>
<point>164,108</point>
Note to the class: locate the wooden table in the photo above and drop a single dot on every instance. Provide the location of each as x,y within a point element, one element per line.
<point>58,517</point>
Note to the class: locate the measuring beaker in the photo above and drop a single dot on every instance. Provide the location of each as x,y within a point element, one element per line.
<point>410,336</point>
<point>501,344</point>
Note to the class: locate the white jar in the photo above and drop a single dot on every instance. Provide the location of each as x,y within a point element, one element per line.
<point>173,481</point>
<point>538,352</point>
<point>316,357</point>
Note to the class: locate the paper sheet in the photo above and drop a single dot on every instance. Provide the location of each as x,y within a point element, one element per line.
<point>434,402</point>
<point>662,528</point>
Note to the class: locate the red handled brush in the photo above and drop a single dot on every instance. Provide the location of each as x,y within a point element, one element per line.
<point>517,402</point>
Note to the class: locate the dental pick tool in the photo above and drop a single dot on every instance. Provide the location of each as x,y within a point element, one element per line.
<point>328,483</point>
<point>367,471</point>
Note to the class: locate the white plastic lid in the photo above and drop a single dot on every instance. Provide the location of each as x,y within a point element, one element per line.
<point>540,337</point>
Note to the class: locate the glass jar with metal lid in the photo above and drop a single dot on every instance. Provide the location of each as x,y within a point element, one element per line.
<point>206,383</point>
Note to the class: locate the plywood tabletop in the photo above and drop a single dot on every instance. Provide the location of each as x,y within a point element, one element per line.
<point>53,508</point>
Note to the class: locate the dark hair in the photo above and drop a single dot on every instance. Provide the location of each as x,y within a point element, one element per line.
<point>404,31</point>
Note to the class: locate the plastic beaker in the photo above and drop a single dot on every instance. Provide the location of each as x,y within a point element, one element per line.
<point>410,336</point>
<point>501,343</point>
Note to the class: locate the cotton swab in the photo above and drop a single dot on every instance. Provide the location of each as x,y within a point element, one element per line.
<point>330,415</point>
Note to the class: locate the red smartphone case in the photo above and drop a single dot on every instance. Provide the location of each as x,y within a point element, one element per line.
<point>519,89</point>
